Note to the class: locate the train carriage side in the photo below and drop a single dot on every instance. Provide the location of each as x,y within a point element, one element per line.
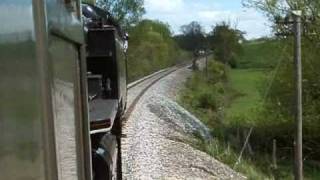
<point>106,66</point>
<point>44,96</point>
<point>106,47</point>
<point>43,113</point>
<point>106,59</point>
<point>121,57</point>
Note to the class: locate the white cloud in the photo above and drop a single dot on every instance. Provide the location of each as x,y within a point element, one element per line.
<point>215,15</point>
<point>163,6</point>
<point>208,13</point>
<point>211,15</point>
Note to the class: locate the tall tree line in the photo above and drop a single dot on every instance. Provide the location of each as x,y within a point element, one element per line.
<point>223,40</point>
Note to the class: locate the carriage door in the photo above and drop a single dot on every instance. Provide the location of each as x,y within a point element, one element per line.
<point>65,37</point>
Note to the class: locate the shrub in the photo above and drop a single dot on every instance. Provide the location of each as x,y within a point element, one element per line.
<point>151,48</point>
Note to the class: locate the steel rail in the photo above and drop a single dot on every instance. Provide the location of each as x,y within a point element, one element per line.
<point>162,74</point>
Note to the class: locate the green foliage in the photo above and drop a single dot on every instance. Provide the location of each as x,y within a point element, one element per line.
<point>126,12</point>
<point>151,47</point>
<point>206,94</point>
<point>279,10</point>
<point>280,102</point>
<point>228,102</point>
<point>192,37</point>
<point>261,53</point>
<point>274,119</point>
<point>225,42</point>
<point>244,98</point>
<point>224,153</point>
<point>280,99</point>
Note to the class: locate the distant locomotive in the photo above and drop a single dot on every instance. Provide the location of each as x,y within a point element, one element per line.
<point>62,90</point>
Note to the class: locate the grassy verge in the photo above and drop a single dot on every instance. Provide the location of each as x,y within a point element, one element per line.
<point>229,102</point>
<point>209,97</point>
<point>244,94</point>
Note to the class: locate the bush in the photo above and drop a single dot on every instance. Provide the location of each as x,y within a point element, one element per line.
<point>225,42</point>
<point>279,110</point>
<point>205,94</point>
<point>151,48</point>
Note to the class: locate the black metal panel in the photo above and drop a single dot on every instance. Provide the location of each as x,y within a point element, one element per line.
<point>100,43</point>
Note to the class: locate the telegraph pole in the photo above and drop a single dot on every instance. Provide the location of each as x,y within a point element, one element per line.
<point>298,93</point>
<point>298,158</point>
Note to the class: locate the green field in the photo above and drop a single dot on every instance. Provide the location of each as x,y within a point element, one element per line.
<point>245,96</point>
<point>261,54</point>
<point>245,83</point>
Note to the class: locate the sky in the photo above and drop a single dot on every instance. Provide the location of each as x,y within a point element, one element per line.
<point>208,12</point>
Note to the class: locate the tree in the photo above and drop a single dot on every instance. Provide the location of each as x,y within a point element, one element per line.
<point>126,12</point>
<point>277,10</point>
<point>151,48</point>
<point>280,98</point>
<point>226,43</point>
<point>192,37</point>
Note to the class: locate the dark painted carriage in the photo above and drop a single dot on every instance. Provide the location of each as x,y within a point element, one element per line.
<point>62,91</point>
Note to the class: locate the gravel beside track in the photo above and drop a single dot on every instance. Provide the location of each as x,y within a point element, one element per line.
<point>157,136</point>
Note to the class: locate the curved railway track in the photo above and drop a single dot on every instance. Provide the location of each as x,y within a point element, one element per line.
<point>153,78</point>
<point>149,81</point>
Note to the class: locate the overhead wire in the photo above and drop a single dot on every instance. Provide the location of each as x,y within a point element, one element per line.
<point>274,74</point>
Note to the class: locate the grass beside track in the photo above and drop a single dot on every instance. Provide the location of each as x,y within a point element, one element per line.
<point>236,97</point>
<point>244,92</point>
<point>243,99</point>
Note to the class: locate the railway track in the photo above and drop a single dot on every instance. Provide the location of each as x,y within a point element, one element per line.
<point>153,78</point>
<point>158,133</point>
